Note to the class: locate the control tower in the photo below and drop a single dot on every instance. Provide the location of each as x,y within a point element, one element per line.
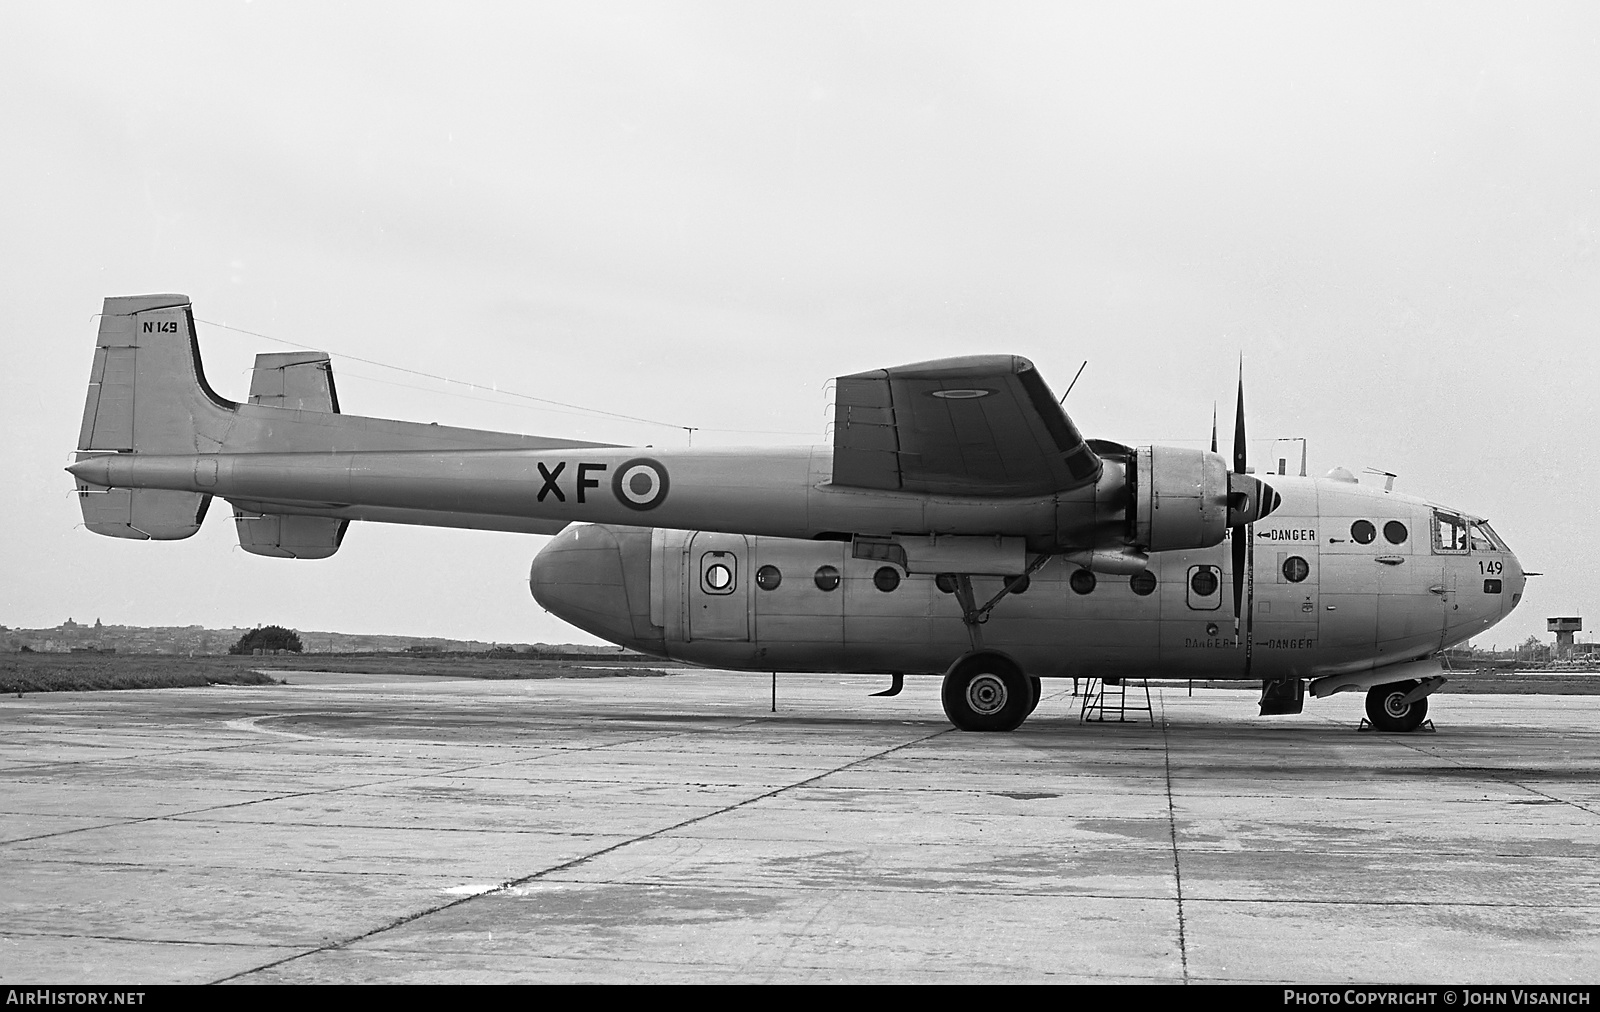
<point>1564,628</point>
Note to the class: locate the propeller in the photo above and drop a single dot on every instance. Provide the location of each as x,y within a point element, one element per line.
<point>1240,532</point>
<point>1249,499</point>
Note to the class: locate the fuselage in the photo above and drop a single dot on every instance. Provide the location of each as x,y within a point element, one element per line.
<point>1340,578</point>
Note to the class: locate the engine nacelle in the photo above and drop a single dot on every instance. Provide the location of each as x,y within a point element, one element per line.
<point>1188,498</point>
<point>1180,498</point>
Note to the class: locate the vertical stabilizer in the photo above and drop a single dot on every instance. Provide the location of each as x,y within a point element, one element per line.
<point>147,394</point>
<point>300,380</point>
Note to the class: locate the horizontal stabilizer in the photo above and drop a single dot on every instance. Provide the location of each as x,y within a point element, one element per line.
<point>280,536</point>
<point>302,380</point>
<point>144,514</point>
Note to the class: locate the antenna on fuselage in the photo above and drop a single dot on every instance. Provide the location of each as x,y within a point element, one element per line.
<point>1074,382</point>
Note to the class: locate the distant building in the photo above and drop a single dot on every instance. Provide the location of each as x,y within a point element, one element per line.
<point>1564,628</point>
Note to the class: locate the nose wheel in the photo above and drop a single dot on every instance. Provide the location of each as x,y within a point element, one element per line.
<point>988,693</point>
<point>1389,709</point>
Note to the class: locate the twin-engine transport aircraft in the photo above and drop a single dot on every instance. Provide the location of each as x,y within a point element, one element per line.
<point>958,525</point>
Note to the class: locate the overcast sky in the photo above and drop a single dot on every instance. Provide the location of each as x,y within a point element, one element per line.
<point>700,213</point>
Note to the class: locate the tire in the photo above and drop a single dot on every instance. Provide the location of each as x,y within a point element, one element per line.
<point>1038,693</point>
<point>987,693</point>
<point>1386,711</point>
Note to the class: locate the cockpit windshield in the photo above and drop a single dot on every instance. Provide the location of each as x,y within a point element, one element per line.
<point>1484,539</point>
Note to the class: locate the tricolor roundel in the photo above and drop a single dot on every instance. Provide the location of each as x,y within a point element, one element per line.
<point>640,484</point>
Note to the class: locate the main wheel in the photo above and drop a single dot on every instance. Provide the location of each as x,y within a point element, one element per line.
<point>1038,692</point>
<point>1388,712</point>
<point>987,693</point>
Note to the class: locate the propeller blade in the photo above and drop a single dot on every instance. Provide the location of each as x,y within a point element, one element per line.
<point>1241,533</point>
<point>1238,428</point>
<point>1213,426</point>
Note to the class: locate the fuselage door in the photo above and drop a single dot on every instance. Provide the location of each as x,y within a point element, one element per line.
<point>1286,607</point>
<point>1451,545</point>
<point>718,595</point>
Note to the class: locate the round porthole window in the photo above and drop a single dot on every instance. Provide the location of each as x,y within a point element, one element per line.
<point>945,582</point>
<point>1396,532</point>
<point>886,578</point>
<point>1296,569</point>
<point>1143,583</point>
<point>1022,585</point>
<point>768,578</point>
<point>719,577</point>
<point>1363,532</point>
<point>1082,581</point>
<point>827,578</point>
<point>1203,582</point>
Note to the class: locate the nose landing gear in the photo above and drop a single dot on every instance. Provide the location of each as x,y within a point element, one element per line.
<point>1392,708</point>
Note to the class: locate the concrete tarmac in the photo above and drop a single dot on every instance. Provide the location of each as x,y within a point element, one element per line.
<point>352,829</point>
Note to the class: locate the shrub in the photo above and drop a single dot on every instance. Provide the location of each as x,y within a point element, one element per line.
<point>267,638</point>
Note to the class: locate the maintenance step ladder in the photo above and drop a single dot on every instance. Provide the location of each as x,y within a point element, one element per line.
<point>1105,704</point>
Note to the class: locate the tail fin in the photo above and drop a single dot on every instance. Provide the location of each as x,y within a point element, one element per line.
<point>302,380</point>
<point>147,394</point>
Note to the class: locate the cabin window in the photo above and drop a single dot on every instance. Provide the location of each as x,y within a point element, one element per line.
<point>1143,583</point>
<point>886,579</point>
<point>1205,588</point>
<point>1449,533</point>
<point>716,572</point>
<point>1022,584</point>
<point>1363,532</point>
<point>1395,532</point>
<point>768,577</point>
<point>1491,586</point>
<point>1482,540</point>
<point>946,582</point>
<point>827,578</point>
<point>1082,581</point>
<point>1296,569</point>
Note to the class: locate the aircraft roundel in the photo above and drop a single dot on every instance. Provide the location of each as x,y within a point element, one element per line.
<point>641,483</point>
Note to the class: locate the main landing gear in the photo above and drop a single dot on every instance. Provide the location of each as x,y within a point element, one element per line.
<point>1392,708</point>
<point>986,692</point>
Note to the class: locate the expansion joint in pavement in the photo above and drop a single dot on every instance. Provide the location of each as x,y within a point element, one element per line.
<point>1172,831</point>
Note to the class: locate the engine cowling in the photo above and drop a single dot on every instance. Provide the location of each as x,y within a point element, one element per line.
<point>1186,498</point>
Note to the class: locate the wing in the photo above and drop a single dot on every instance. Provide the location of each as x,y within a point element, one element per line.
<point>984,425</point>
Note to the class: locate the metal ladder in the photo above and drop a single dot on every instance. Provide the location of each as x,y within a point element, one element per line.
<point>1105,704</point>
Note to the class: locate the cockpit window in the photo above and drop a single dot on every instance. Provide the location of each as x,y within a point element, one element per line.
<point>1482,539</point>
<point>1449,532</point>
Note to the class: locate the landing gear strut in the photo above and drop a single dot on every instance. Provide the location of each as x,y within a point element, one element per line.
<point>988,693</point>
<point>1391,708</point>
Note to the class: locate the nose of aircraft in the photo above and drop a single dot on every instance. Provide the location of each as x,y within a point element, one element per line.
<point>1515,582</point>
<point>597,577</point>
